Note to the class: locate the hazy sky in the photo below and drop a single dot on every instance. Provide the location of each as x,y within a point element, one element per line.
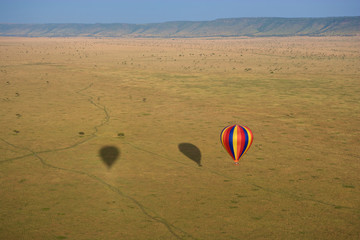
<point>148,11</point>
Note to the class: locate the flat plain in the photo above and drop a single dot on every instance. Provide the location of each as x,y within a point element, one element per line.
<point>64,99</point>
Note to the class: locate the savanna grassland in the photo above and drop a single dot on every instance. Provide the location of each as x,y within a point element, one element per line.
<point>64,99</point>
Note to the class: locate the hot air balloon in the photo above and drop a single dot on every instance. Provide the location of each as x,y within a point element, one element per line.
<point>237,140</point>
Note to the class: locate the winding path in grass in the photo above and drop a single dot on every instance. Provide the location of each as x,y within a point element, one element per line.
<point>175,231</point>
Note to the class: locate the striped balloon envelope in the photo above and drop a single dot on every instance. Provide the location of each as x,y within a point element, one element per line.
<point>236,140</point>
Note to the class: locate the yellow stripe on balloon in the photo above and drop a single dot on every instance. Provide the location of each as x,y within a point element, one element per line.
<point>222,137</point>
<point>235,142</point>
<point>249,138</point>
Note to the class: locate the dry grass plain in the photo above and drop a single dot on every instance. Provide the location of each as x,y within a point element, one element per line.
<point>299,96</point>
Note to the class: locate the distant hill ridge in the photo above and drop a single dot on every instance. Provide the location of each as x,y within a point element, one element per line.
<point>228,27</point>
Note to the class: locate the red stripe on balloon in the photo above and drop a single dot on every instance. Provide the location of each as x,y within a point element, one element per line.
<point>226,140</point>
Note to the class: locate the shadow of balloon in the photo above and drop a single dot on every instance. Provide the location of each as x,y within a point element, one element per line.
<point>191,151</point>
<point>109,155</point>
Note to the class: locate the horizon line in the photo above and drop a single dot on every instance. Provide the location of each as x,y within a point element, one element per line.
<point>178,20</point>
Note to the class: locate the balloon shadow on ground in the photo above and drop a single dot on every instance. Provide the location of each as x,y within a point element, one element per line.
<point>109,154</point>
<point>191,151</point>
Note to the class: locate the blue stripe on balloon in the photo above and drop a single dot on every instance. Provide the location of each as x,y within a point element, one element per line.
<point>246,141</point>
<point>231,141</point>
